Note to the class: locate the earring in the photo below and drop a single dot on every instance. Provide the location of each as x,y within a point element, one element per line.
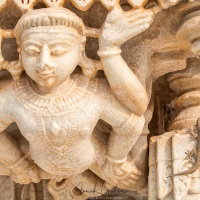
<point>14,67</point>
<point>89,66</point>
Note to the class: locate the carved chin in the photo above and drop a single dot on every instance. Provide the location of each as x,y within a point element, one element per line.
<point>49,82</point>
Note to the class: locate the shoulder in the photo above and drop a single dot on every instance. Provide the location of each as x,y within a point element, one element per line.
<point>98,86</point>
<point>103,90</point>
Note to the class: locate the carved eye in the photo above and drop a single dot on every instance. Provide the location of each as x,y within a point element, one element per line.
<point>58,51</point>
<point>32,51</point>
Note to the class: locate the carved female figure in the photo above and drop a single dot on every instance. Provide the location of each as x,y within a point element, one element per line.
<point>56,110</point>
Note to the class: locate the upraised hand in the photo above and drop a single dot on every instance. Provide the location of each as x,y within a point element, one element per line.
<point>121,26</point>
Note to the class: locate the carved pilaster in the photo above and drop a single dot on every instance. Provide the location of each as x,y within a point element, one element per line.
<point>176,151</point>
<point>186,85</point>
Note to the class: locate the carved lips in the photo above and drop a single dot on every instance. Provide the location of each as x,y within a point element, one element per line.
<point>46,73</point>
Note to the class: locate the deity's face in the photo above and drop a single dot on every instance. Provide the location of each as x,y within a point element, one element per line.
<point>50,54</point>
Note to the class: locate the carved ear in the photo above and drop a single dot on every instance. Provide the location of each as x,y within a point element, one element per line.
<point>14,67</point>
<point>89,66</point>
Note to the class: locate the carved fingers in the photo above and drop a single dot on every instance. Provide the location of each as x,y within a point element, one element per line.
<point>22,180</point>
<point>124,173</point>
<point>121,26</point>
<point>113,171</point>
<point>138,21</point>
<point>133,173</point>
<point>25,173</point>
<point>133,177</point>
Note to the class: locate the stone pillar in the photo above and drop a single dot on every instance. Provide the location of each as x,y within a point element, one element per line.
<point>186,85</point>
<point>175,151</point>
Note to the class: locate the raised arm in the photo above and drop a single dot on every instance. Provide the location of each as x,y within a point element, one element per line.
<point>119,27</point>
<point>22,170</point>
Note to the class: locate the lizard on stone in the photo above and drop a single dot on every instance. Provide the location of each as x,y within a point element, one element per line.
<point>197,163</point>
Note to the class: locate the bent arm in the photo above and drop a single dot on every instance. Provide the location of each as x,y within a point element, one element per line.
<point>127,127</point>
<point>122,141</point>
<point>119,27</point>
<point>124,83</point>
<point>9,149</point>
<point>10,152</point>
<point>22,170</point>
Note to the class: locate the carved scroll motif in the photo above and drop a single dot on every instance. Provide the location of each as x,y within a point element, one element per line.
<point>85,5</point>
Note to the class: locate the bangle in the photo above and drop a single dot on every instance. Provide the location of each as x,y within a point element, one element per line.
<point>17,162</point>
<point>110,51</point>
<point>116,161</point>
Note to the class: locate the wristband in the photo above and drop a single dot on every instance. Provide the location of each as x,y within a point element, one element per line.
<point>116,161</point>
<point>111,51</point>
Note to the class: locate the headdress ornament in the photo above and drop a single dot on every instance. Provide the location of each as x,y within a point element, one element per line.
<point>49,17</point>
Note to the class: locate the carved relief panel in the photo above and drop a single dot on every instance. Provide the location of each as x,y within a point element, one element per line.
<point>79,88</point>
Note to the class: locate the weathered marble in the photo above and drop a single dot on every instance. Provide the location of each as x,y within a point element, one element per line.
<point>85,85</point>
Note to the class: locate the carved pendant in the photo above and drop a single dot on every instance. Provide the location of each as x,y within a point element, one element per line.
<point>58,133</point>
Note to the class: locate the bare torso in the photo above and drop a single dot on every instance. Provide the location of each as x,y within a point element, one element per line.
<point>58,127</point>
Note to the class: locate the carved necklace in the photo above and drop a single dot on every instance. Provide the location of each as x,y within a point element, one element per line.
<point>68,103</point>
<point>72,100</point>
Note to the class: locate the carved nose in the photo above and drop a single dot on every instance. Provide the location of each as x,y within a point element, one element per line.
<point>44,62</point>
